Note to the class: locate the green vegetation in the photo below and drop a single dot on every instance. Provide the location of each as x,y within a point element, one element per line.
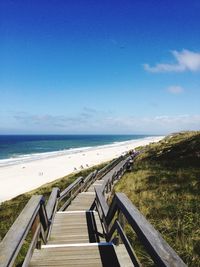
<point>164,185</point>
<point>9,210</point>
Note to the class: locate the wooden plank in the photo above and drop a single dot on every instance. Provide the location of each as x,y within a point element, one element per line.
<point>89,179</point>
<point>66,264</point>
<point>108,167</point>
<point>14,238</point>
<point>129,249</point>
<point>52,202</point>
<point>32,247</point>
<point>91,255</point>
<point>76,183</point>
<point>101,201</point>
<point>113,172</point>
<point>68,228</point>
<point>123,256</point>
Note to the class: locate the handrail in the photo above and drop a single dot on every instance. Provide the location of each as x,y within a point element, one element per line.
<point>90,179</point>
<point>73,185</point>
<point>108,167</point>
<point>109,180</point>
<point>51,207</point>
<point>71,192</point>
<point>13,241</point>
<point>156,246</point>
<point>117,226</point>
<point>38,218</point>
<point>158,249</point>
<point>51,204</point>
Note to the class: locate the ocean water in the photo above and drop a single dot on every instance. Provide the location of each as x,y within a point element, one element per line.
<point>20,148</point>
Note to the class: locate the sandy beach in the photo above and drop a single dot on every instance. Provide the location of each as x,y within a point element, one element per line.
<point>20,178</point>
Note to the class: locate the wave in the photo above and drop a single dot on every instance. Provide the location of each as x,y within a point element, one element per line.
<point>20,159</point>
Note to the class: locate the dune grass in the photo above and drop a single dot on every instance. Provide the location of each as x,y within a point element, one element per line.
<point>164,185</point>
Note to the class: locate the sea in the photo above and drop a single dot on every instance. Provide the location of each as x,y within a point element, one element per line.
<point>16,149</point>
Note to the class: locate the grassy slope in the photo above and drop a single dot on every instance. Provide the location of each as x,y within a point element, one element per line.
<point>165,186</point>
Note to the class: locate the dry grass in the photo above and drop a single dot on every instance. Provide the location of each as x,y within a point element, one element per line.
<point>165,186</point>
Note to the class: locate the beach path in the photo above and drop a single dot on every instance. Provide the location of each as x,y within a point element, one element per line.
<point>77,237</point>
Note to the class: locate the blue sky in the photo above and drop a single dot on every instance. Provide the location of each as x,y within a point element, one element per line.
<point>99,66</point>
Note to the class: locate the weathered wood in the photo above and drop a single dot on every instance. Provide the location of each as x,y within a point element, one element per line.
<point>101,202</point>
<point>83,201</point>
<point>75,184</point>
<point>156,246</point>
<point>113,173</point>
<point>69,200</point>
<point>32,246</point>
<point>123,256</point>
<point>43,217</point>
<point>108,167</point>
<point>132,255</point>
<point>89,179</point>
<point>50,206</point>
<point>69,227</point>
<point>51,221</point>
<point>97,255</point>
<point>14,238</point>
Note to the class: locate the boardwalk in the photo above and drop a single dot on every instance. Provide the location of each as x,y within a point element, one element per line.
<point>78,228</point>
<point>77,238</point>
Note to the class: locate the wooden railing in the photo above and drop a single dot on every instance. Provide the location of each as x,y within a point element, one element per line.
<point>71,192</point>
<point>37,218</point>
<point>108,167</point>
<point>113,221</point>
<point>34,218</point>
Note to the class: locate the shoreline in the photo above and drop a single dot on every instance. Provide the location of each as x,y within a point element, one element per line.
<point>28,175</point>
<point>23,158</point>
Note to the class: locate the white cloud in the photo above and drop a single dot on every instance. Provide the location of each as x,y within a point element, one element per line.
<point>94,121</point>
<point>155,125</point>
<point>185,61</point>
<point>175,89</point>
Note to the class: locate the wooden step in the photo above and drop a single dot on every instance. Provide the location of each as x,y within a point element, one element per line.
<point>83,201</point>
<point>97,183</point>
<point>76,227</point>
<point>76,255</point>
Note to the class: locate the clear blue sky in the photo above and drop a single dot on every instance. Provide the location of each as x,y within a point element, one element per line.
<point>74,66</point>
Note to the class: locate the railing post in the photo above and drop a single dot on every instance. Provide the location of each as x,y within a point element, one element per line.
<point>113,178</point>
<point>81,186</point>
<point>107,188</point>
<point>121,220</point>
<point>110,186</point>
<point>34,228</point>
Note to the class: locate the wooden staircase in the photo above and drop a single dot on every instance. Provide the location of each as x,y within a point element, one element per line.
<point>76,255</point>
<point>77,227</point>
<point>77,237</point>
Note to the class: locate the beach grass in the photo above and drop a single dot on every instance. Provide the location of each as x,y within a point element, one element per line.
<point>164,185</point>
